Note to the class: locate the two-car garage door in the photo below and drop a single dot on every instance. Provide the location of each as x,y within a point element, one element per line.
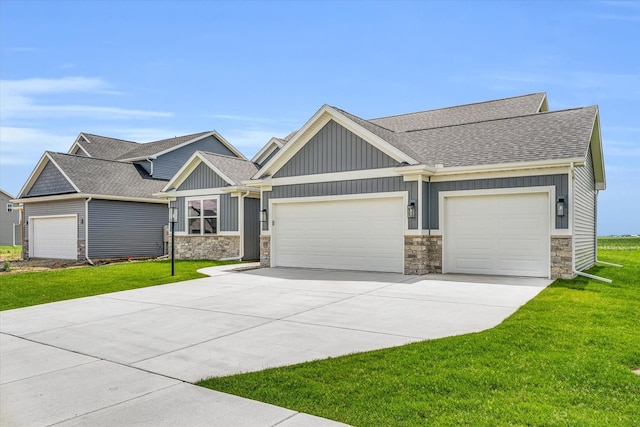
<point>353,234</point>
<point>54,237</point>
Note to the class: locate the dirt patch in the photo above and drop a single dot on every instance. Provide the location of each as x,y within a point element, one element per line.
<point>637,372</point>
<point>32,265</point>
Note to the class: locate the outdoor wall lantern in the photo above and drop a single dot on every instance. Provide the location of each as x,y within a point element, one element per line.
<point>263,215</point>
<point>173,218</point>
<point>411,209</point>
<point>560,207</point>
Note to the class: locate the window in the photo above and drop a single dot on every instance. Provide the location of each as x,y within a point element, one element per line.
<point>202,216</point>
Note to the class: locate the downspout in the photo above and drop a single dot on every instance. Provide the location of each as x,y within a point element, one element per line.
<point>573,237</point>
<point>240,228</point>
<point>86,230</point>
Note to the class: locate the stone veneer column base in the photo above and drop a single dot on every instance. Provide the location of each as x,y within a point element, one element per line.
<point>422,254</point>
<point>265,251</point>
<point>561,257</point>
<point>82,254</point>
<point>206,247</point>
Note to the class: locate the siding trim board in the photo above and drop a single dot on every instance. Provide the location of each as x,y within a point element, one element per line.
<point>431,191</point>
<point>351,188</point>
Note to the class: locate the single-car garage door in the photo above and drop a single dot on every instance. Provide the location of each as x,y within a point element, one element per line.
<point>354,234</point>
<point>497,234</point>
<point>54,237</point>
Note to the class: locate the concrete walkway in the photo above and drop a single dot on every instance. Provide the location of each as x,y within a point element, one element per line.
<point>129,358</point>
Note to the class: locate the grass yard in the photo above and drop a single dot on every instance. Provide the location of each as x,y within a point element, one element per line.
<point>565,358</point>
<point>25,289</point>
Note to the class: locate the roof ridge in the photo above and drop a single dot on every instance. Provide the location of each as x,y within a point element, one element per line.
<point>225,156</point>
<point>368,121</point>
<point>90,158</point>
<point>108,137</point>
<point>540,113</point>
<point>178,136</point>
<point>457,106</point>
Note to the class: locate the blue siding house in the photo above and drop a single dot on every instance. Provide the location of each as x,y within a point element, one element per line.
<point>97,201</point>
<point>503,187</point>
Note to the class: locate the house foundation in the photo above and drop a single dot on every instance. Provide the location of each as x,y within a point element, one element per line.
<point>422,254</point>
<point>561,258</point>
<point>265,251</point>
<point>205,247</point>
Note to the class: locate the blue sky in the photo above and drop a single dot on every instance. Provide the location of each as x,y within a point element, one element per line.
<point>147,70</point>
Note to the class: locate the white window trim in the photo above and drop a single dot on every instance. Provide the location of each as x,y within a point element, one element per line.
<point>186,214</point>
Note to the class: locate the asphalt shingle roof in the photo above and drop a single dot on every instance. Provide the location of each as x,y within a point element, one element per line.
<point>461,114</point>
<point>542,136</point>
<point>235,169</point>
<point>102,147</point>
<point>107,177</point>
<point>151,148</point>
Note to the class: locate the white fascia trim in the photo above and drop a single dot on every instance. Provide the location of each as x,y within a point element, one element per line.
<point>196,193</point>
<point>75,187</point>
<point>335,176</point>
<point>595,143</point>
<point>422,170</point>
<point>267,149</point>
<point>85,195</point>
<point>502,174</point>
<point>239,189</point>
<point>499,167</point>
<point>34,174</point>
<point>319,119</point>
<point>76,145</point>
<point>184,171</point>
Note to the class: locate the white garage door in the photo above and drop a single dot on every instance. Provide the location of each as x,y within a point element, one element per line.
<point>54,237</point>
<point>362,234</point>
<point>497,234</point>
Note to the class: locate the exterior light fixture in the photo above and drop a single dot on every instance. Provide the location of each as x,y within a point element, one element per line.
<point>173,218</point>
<point>411,209</point>
<point>560,207</point>
<point>263,215</point>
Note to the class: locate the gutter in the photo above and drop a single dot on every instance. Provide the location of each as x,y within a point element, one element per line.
<point>86,230</point>
<point>241,228</point>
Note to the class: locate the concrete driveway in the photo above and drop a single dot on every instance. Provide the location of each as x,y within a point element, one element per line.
<point>129,357</point>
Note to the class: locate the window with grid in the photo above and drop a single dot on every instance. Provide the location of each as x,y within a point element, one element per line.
<point>202,216</point>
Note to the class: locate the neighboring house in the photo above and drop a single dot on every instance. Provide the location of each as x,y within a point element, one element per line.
<point>502,187</point>
<point>218,217</point>
<point>97,200</point>
<point>9,221</point>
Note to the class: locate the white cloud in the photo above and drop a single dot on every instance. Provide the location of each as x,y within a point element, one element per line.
<point>22,99</point>
<point>24,146</point>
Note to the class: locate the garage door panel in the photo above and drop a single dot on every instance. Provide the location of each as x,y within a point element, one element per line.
<point>54,237</point>
<point>497,234</point>
<point>363,234</point>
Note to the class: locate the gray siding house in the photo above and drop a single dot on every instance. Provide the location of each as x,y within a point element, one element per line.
<point>218,217</point>
<point>504,187</point>
<point>10,221</point>
<point>97,200</point>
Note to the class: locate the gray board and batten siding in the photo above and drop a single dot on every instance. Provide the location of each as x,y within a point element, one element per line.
<point>204,177</point>
<point>335,149</point>
<point>61,207</point>
<point>118,229</point>
<point>166,165</point>
<point>251,229</point>
<point>338,188</point>
<point>50,181</point>
<point>430,193</point>
<point>264,162</point>
<point>227,212</point>
<point>584,219</point>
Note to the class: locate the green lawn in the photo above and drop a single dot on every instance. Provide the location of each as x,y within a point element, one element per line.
<point>563,359</point>
<point>25,289</point>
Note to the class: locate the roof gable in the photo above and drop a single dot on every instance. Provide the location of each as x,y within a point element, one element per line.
<point>372,134</point>
<point>211,170</point>
<point>335,149</point>
<point>158,148</point>
<point>101,147</point>
<point>60,183</point>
